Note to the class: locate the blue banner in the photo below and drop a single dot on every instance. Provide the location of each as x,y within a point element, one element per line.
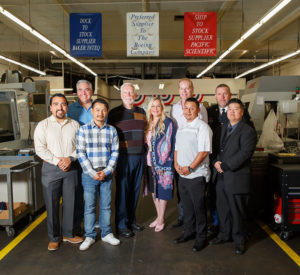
<point>86,34</point>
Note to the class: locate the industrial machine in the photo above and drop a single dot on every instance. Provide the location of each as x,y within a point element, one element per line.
<point>264,93</point>
<point>275,110</point>
<point>22,106</point>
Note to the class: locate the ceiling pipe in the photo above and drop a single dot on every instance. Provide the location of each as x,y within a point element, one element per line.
<point>107,61</point>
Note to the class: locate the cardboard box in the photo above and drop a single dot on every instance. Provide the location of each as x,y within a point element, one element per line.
<point>19,207</point>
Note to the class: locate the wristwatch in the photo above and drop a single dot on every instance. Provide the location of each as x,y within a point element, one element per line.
<point>191,170</point>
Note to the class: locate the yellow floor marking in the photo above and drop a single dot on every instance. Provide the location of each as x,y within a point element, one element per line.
<point>283,245</point>
<point>21,236</point>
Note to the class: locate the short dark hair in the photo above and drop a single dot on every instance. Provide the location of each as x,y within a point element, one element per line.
<point>223,86</point>
<point>192,99</point>
<point>58,95</point>
<point>237,101</point>
<point>102,101</point>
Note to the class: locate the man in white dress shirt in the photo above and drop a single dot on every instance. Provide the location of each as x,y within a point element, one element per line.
<point>55,144</point>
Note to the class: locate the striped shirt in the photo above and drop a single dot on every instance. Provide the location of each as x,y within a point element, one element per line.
<point>130,124</point>
<point>97,147</point>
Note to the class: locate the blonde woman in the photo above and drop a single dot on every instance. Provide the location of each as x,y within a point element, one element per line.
<point>160,138</point>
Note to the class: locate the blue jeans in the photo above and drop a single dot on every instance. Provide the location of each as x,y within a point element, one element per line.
<point>91,189</point>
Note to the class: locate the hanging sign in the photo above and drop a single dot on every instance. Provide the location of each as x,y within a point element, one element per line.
<point>200,33</point>
<point>86,34</point>
<point>142,34</point>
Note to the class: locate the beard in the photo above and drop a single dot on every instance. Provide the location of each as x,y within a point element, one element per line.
<point>60,114</point>
<point>129,101</point>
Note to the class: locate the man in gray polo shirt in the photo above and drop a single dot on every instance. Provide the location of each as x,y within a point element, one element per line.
<point>191,161</point>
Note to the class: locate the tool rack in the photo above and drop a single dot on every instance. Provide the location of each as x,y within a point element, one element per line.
<point>285,179</point>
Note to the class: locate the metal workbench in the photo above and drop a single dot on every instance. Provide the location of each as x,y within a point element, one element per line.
<point>8,167</point>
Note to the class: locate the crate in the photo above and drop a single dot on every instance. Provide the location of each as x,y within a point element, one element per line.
<point>19,207</point>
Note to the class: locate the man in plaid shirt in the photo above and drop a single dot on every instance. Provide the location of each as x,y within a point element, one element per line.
<point>97,148</point>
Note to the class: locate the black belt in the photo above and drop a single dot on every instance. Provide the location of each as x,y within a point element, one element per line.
<point>98,169</point>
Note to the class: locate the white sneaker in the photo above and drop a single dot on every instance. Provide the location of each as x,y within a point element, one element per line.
<point>109,238</point>
<point>86,244</point>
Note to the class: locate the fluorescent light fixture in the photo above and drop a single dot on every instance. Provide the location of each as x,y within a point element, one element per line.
<point>161,86</point>
<point>54,53</point>
<point>116,87</point>
<point>251,30</point>
<point>61,90</point>
<point>255,27</point>
<point>22,65</point>
<point>268,64</point>
<point>43,38</point>
<point>136,86</point>
<point>15,19</point>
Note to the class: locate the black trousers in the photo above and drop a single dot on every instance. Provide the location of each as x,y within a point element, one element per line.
<point>232,213</point>
<point>57,183</point>
<point>192,193</point>
<point>179,203</point>
<point>79,205</point>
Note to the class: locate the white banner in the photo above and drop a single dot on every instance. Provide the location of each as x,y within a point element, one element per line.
<point>143,34</point>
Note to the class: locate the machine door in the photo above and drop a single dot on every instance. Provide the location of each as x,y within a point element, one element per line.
<point>9,126</point>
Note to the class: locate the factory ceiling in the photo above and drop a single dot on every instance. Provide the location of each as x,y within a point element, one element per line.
<point>278,37</point>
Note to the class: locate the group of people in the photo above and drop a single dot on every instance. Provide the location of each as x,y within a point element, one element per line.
<point>84,145</point>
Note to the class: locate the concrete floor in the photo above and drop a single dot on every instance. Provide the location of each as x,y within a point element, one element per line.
<point>147,253</point>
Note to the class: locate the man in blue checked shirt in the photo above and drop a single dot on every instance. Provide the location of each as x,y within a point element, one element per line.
<point>97,148</point>
<point>81,112</point>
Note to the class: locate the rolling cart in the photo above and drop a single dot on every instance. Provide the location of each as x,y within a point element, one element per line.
<point>285,179</point>
<point>14,214</point>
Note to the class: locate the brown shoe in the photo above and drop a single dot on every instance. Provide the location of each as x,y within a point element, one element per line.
<point>52,246</point>
<point>75,239</point>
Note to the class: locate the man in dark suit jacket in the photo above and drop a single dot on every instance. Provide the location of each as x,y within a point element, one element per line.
<point>233,146</point>
<point>217,115</point>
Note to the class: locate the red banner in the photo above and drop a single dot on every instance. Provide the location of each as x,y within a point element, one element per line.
<point>200,33</point>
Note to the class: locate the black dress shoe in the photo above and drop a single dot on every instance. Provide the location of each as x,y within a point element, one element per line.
<point>212,230</point>
<point>240,249</point>
<point>126,233</point>
<point>137,227</point>
<point>217,240</point>
<point>183,238</point>
<point>199,245</point>
<point>178,224</point>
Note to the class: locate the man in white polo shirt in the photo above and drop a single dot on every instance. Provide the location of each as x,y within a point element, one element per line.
<point>191,160</point>
<point>186,90</point>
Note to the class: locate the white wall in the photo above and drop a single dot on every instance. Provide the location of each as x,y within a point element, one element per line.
<point>56,82</point>
<point>201,86</point>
